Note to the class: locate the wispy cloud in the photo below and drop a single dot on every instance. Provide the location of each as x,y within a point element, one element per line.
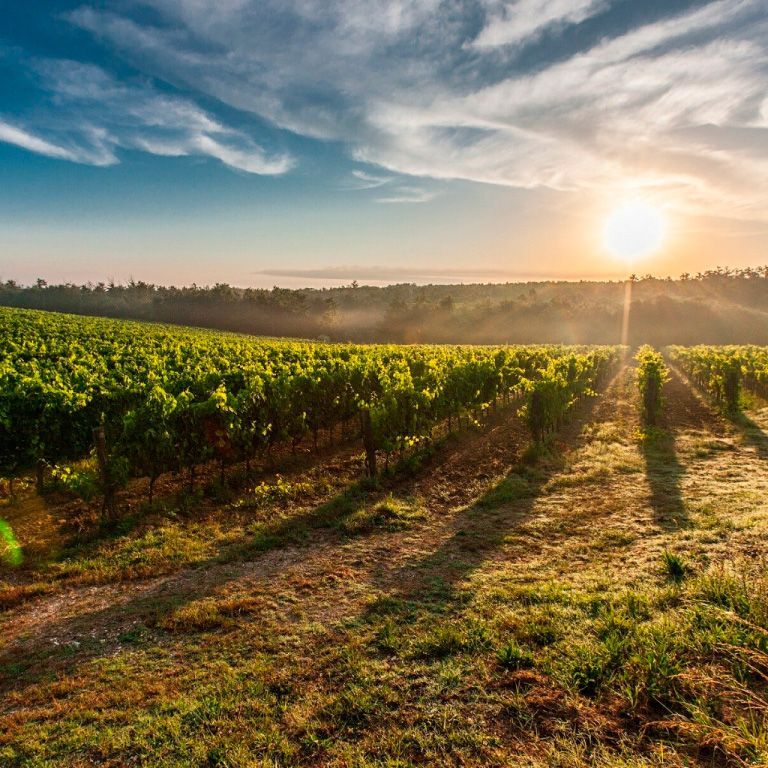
<point>521,21</point>
<point>10,134</point>
<point>439,90</point>
<point>365,180</point>
<point>408,195</point>
<point>382,273</point>
<point>89,116</point>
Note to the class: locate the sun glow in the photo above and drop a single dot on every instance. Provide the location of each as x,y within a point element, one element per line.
<point>635,228</point>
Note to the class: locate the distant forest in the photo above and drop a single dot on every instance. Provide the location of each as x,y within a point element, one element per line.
<point>714,307</point>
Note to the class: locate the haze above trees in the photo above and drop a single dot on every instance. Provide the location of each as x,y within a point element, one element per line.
<point>719,306</point>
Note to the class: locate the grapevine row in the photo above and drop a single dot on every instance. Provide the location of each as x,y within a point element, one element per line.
<point>166,399</point>
<point>722,371</point>
<point>652,373</point>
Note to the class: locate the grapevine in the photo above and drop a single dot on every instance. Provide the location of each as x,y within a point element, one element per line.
<point>173,399</point>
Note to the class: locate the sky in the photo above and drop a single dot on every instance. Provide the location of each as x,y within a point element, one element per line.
<point>313,142</point>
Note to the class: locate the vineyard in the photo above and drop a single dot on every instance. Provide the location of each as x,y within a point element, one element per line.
<point>218,549</point>
<point>723,371</point>
<point>170,400</point>
<point>651,375</point>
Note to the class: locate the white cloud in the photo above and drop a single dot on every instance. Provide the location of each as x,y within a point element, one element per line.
<point>249,159</point>
<point>522,21</point>
<point>413,87</point>
<point>365,180</point>
<point>408,195</point>
<point>10,134</point>
<point>91,116</point>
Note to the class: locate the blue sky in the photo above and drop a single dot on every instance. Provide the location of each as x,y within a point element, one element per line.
<point>312,142</point>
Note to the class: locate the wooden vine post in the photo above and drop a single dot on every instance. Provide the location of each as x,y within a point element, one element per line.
<point>368,442</point>
<point>108,505</point>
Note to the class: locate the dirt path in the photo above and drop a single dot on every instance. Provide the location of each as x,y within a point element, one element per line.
<point>547,530</point>
<point>463,468</point>
<point>603,507</point>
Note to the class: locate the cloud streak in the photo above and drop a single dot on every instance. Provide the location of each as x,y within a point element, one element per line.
<point>365,180</point>
<point>675,105</point>
<point>521,21</point>
<point>426,92</point>
<point>10,134</point>
<point>88,116</point>
<point>382,273</point>
<point>407,195</point>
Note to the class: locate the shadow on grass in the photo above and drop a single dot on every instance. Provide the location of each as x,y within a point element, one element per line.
<point>663,472</point>
<point>173,499</point>
<point>297,529</point>
<point>68,641</point>
<point>359,508</point>
<point>752,433</point>
<point>482,528</point>
<point>683,412</point>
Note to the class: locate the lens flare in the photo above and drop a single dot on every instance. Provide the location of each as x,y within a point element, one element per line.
<point>10,550</point>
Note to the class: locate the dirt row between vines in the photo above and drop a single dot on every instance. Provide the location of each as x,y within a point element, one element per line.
<point>466,465</point>
<point>551,534</point>
<point>601,506</point>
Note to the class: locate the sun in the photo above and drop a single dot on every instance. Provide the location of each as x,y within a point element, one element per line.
<point>635,228</point>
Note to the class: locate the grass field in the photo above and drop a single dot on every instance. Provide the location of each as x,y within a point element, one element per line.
<point>603,602</point>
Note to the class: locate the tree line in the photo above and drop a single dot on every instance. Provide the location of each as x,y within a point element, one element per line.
<point>714,307</point>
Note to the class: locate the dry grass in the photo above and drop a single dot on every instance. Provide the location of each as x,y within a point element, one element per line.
<point>480,611</point>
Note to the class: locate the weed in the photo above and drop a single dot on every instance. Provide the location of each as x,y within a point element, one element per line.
<point>267,494</point>
<point>132,636</point>
<point>589,669</point>
<point>674,566</point>
<point>513,656</point>
<point>386,639</point>
<point>449,639</point>
<point>198,616</point>
<point>392,514</point>
<point>512,488</point>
